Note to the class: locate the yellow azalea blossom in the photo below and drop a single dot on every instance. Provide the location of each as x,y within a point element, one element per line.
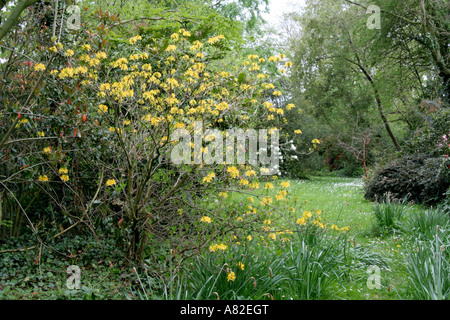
<point>69,53</point>
<point>244,182</point>
<point>134,39</point>
<point>65,177</point>
<point>171,48</point>
<point>39,67</point>
<point>301,221</point>
<point>213,40</point>
<point>63,170</point>
<point>206,219</point>
<point>223,194</point>
<point>209,177</point>
<point>276,93</point>
<point>272,236</point>
<point>281,195</point>
<point>110,182</point>
<point>268,186</point>
<point>285,184</point>
<point>316,141</point>
<point>47,150</point>
<point>298,131</point>
<point>254,185</point>
<point>241,265</point>
<point>43,178</point>
<point>103,108</point>
<point>40,133</point>
<point>249,238</point>
<point>101,55</point>
<point>290,106</point>
<point>233,171</point>
<point>266,200</point>
<point>93,62</point>
<point>250,173</point>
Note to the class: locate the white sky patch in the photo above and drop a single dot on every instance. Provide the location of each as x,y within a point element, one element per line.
<point>278,7</point>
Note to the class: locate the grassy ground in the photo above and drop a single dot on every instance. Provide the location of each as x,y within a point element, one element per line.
<point>342,202</point>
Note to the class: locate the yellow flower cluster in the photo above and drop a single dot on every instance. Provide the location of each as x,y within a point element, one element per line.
<point>268,186</point>
<point>209,177</point>
<point>213,40</point>
<point>231,276</point>
<point>266,201</point>
<point>233,172</point>
<point>134,39</point>
<point>71,72</point>
<point>39,67</point>
<point>285,184</point>
<point>206,219</point>
<point>281,195</point>
<point>317,221</point>
<point>218,247</point>
<point>103,108</point>
<point>196,45</point>
<point>110,182</point>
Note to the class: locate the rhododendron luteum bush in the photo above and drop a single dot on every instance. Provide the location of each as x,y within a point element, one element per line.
<point>125,106</point>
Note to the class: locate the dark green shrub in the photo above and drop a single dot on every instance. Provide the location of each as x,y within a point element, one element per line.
<point>419,178</point>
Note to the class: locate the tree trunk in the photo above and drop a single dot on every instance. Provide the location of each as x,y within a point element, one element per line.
<point>380,107</point>
<point>13,18</point>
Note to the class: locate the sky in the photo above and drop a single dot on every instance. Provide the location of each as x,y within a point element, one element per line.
<point>278,7</point>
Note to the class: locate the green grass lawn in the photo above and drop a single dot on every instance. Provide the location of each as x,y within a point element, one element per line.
<point>340,199</point>
<point>342,202</point>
